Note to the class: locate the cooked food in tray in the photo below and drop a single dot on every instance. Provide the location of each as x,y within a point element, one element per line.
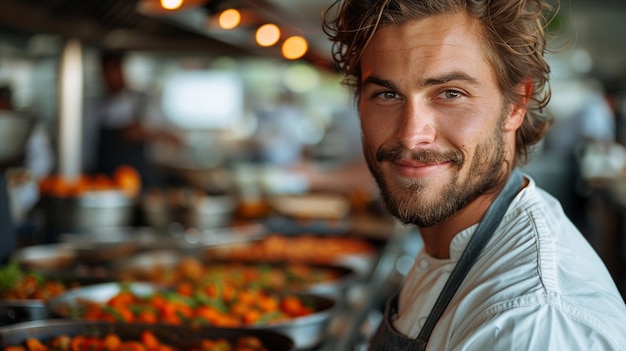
<point>188,304</point>
<point>303,317</point>
<point>300,248</point>
<point>72,335</point>
<point>20,284</point>
<point>171,268</point>
<point>146,342</point>
<point>307,206</point>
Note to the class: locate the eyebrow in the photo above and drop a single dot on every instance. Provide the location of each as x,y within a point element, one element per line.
<point>433,81</point>
<point>448,77</point>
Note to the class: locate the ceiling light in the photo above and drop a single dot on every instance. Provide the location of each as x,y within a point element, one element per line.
<point>294,47</point>
<point>267,35</point>
<point>229,19</point>
<point>171,4</point>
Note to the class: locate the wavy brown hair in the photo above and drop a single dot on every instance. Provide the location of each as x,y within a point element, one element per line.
<point>514,40</point>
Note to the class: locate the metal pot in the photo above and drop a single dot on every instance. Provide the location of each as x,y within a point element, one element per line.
<point>93,209</point>
<point>189,207</point>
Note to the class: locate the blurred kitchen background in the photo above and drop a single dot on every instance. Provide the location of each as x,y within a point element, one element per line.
<point>247,114</point>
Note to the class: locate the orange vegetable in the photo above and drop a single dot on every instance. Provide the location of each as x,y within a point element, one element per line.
<point>15,348</point>
<point>149,340</point>
<point>132,346</point>
<point>35,345</point>
<point>78,342</point>
<point>112,342</point>
<point>128,179</point>
<point>148,317</point>
<point>123,298</point>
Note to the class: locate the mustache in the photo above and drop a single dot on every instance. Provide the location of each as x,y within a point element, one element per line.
<point>426,156</point>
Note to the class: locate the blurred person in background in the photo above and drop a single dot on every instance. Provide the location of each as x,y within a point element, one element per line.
<point>276,141</point>
<point>38,162</point>
<point>450,96</point>
<point>346,172</point>
<point>119,125</point>
<point>581,139</point>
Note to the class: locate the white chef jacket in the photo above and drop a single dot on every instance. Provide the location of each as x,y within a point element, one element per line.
<point>537,285</point>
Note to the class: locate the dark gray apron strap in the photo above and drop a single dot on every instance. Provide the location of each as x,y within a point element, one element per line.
<point>481,236</point>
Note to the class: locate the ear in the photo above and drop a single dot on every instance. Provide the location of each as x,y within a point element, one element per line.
<point>517,111</point>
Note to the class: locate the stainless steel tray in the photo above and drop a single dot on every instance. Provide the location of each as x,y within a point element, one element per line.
<point>307,331</point>
<point>139,266</point>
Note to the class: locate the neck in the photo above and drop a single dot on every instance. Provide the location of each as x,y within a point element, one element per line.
<point>437,238</point>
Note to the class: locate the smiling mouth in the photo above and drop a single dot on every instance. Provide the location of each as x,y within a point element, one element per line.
<point>418,169</point>
<point>421,158</point>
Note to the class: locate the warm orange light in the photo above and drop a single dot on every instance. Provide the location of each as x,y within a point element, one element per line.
<point>294,47</point>
<point>171,4</point>
<point>267,35</point>
<point>229,19</point>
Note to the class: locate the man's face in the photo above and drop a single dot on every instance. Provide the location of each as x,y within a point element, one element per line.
<point>432,118</point>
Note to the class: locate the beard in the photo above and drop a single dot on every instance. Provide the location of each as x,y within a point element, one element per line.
<point>406,198</point>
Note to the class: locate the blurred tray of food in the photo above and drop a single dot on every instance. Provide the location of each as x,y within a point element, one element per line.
<point>357,253</point>
<point>23,293</point>
<point>72,335</point>
<point>302,317</point>
<point>171,267</point>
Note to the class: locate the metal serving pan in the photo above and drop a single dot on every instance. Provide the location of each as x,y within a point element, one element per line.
<point>139,266</point>
<point>179,336</point>
<point>306,332</point>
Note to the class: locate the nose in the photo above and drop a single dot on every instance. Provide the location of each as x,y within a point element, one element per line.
<point>416,125</point>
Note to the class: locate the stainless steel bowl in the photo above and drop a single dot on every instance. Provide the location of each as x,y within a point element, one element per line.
<point>309,331</point>
<point>45,257</point>
<point>189,207</point>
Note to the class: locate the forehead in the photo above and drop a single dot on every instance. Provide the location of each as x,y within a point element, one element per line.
<point>436,44</point>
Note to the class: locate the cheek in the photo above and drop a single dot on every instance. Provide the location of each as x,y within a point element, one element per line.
<point>375,130</point>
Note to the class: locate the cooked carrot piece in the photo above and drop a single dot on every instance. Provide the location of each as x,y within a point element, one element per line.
<point>78,342</point>
<point>112,342</point>
<point>132,346</point>
<point>149,340</point>
<point>33,344</point>
<point>15,348</point>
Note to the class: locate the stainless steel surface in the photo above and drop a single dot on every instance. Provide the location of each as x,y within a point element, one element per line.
<point>19,311</point>
<point>308,331</point>
<point>15,128</point>
<point>178,336</point>
<point>104,245</point>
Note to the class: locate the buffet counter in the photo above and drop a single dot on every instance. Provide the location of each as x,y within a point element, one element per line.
<point>323,276</point>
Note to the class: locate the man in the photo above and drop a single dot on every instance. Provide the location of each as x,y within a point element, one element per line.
<point>449,95</point>
<point>120,127</point>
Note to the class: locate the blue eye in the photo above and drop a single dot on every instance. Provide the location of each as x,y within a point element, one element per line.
<point>452,94</point>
